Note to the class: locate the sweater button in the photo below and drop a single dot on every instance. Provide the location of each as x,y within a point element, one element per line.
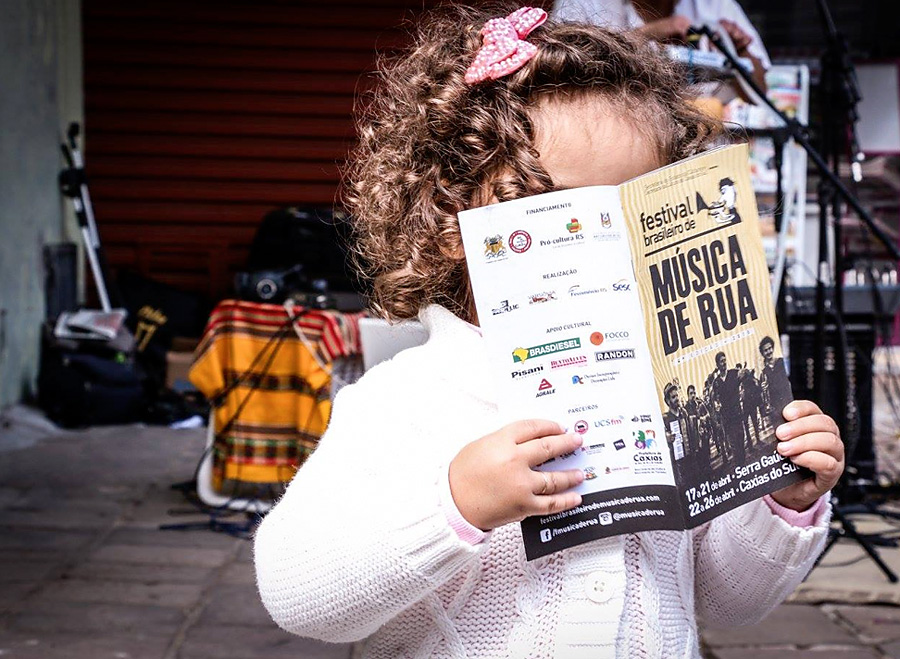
<point>598,588</point>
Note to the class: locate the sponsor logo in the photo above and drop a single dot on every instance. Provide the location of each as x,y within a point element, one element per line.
<point>590,473</point>
<point>576,290</point>
<point>610,470</point>
<point>652,458</point>
<point>545,389</point>
<point>581,427</point>
<point>563,241</point>
<point>527,371</point>
<point>605,518</point>
<point>546,535</point>
<point>644,439</point>
<point>599,337</point>
<point>605,423</point>
<point>605,221</point>
<point>619,444</point>
<point>599,378</point>
<point>622,285</point>
<point>521,354</point>
<point>494,249</point>
<point>607,355</point>
<point>519,241</point>
<point>645,418</point>
<point>574,226</point>
<point>577,360</point>
<point>583,408</point>
<point>561,273</point>
<point>505,307</point>
<point>594,448</point>
<point>568,326</point>
<point>538,298</point>
<point>577,379</point>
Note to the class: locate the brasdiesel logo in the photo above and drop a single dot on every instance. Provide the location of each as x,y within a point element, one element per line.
<point>607,355</point>
<point>521,354</point>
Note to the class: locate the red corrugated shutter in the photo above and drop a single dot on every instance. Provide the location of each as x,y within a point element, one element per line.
<point>202,116</point>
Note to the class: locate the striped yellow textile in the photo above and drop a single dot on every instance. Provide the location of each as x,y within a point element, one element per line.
<point>270,395</point>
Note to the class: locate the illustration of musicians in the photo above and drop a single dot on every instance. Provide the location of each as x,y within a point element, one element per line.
<point>677,425</point>
<point>726,391</point>
<point>775,382</point>
<point>699,430</point>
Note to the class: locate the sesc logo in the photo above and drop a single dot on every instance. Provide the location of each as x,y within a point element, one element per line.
<point>622,285</point>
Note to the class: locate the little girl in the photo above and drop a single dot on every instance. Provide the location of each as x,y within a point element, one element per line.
<point>402,528</point>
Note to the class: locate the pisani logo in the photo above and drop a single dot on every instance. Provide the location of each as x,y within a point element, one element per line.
<point>521,354</point>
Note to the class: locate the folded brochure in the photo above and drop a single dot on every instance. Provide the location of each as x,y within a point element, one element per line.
<point>640,316</point>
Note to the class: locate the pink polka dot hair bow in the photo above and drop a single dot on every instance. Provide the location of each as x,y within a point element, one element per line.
<point>503,49</point>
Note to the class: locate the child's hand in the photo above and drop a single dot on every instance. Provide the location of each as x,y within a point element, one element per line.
<point>810,439</point>
<point>492,480</point>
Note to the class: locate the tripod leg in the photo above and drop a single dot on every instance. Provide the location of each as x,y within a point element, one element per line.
<point>850,531</point>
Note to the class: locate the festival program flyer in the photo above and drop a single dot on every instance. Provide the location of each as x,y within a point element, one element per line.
<point>639,316</point>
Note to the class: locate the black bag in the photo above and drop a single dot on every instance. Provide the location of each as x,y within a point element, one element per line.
<point>79,386</point>
<point>313,238</point>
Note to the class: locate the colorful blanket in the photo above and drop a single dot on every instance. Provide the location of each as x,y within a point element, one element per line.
<point>267,371</point>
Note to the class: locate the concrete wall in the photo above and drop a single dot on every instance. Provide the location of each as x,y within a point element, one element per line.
<point>35,81</point>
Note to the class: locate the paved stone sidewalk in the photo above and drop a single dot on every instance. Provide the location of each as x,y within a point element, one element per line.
<point>85,572</point>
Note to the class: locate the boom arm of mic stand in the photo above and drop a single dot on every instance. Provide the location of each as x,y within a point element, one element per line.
<point>799,134</point>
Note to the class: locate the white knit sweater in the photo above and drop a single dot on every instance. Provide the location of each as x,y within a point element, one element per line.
<point>360,548</point>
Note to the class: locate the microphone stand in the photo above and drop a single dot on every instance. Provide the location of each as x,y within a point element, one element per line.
<point>832,191</point>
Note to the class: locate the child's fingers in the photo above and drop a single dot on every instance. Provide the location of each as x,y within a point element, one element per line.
<point>553,482</point>
<point>800,408</point>
<point>528,429</point>
<point>547,505</point>
<point>824,442</point>
<point>807,425</point>
<point>825,466</point>
<point>538,450</point>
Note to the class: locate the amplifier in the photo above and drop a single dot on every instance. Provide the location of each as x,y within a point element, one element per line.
<point>857,427</point>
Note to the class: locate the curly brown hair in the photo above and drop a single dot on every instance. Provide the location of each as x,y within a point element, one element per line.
<point>432,145</point>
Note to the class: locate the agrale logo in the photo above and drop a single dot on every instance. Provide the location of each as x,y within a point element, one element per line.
<point>519,241</point>
<point>545,389</point>
<point>505,307</point>
<point>494,249</point>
